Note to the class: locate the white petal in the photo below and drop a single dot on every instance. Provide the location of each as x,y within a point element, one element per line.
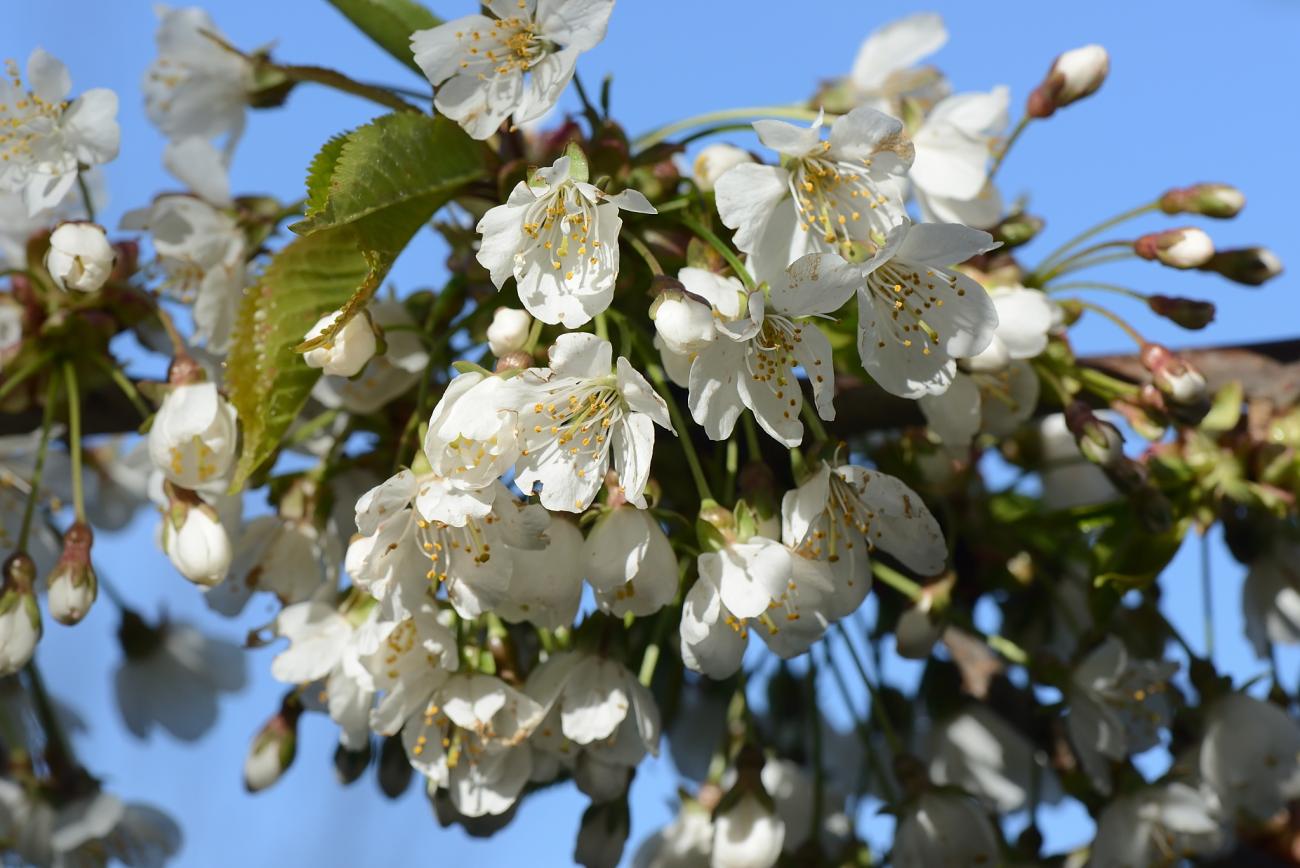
<point>897,46</point>
<point>955,415</point>
<point>747,198</point>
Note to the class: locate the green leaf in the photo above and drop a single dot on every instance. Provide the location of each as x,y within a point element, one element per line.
<point>389,23</point>
<point>369,192</point>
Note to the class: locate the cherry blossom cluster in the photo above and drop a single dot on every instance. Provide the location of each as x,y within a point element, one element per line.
<point>523,527</point>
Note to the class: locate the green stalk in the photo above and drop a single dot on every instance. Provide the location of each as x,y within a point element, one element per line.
<point>1122,217</point>
<point>38,470</point>
<point>74,439</point>
<point>717,244</point>
<point>654,137</point>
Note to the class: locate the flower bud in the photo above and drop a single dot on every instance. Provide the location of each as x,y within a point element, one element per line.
<point>1184,387</point>
<point>73,585</point>
<point>516,360</point>
<point>715,161</point>
<point>346,351</point>
<point>1017,229</point>
<point>746,828</point>
<point>1186,312</point>
<point>350,765</point>
<point>1099,441</point>
<point>1252,266</point>
<point>508,331</point>
<point>79,257</point>
<point>1188,247</point>
<point>1075,74</point>
<point>1220,201</point>
<point>992,359</point>
<point>603,834</point>
<point>686,325</point>
<point>273,749</point>
<point>192,440</point>
<point>196,542</point>
<point>394,768</point>
<point>20,617</point>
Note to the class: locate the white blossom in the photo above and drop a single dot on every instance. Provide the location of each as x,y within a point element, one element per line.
<point>557,235</point>
<point>945,828</point>
<point>412,657</point>
<point>884,70</point>
<point>950,173</point>
<point>684,843</point>
<point>345,352</point>
<point>46,137</point>
<point>917,316</point>
<point>762,338</point>
<point>196,87</point>
<point>1250,756</point>
<point>582,416</point>
<point>834,196</point>
<point>995,391</point>
<point>1154,825</point>
<point>747,834</point>
<point>989,758</point>
<point>192,440</point>
<point>630,562</point>
<point>713,161</point>
<point>80,257</point>
<point>1118,705</point>
<point>545,586</point>
<point>514,62</point>
<point>388,374</point>
<point>1270,598</point>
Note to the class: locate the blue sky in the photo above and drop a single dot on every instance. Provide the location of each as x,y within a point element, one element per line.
<point>1195,95</point>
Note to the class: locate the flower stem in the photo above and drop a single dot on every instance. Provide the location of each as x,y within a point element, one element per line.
<point>125,385</point>
<point>1207,596</point>
<point>880,770</point>
<point>679,424</point>
<point>74,438</point>
<point>38,469</point>
<point>179,348</point>
<point>85,195</point>
<point>719,245</point>
<point>1103,287</point>
<point>640,247</point>
<point>791,112</point>
<point>1006,147</point>
<point>1079,260</point>
<point>13,381</point>
<point>878,710</point>
<point>1093,231</point>
<point>751,437</point>
<point>1115,318</point>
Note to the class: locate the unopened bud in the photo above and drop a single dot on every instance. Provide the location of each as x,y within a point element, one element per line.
<point>1187,247</point>
<point>73,585</point>
<point>916,632</point>
<point>508,331</point>
<point>394,767</point>
<point>992,359</point>
<point>195,540</point>
<point>80,257</point>
<point>1220,201</point>
<point>1252,266</point>
<point>1099,441</point>
<point>715,161</point>
<point>20,616</point>
<point>1074,75</point>
<point>1017,229</point>
<point>350,765</point>
<point>518,360</point>
<point>1186,312</point>
<point>274,747</point>
<point>603,834</point>
<point>347,351</point>
<point>1183,386</point>
<point>684,324</point>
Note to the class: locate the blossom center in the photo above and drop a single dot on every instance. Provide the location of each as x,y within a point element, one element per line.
<point>834,197</point>
<point>909,294</point>
<point>560,227</point>
<point>25,119</point>
<point>509,46</point>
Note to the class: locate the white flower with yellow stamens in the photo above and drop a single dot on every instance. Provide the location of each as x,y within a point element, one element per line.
<point>558,236</point>
<point>412,657</point>
<point>835,196</point>
<point>581,416</point>
<point>512,63</point>
<point>763,336</point>
<point>917,316</point>
<point>840,514</point>
<point>45,137</point>
<point>472,440</point>
<point>402,556</point>
<point>471,739</point>
<point>192,440</point>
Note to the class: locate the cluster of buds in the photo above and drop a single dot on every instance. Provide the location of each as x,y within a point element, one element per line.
<point>73,586</point>
<point>1074,75</point>
<point>1187,247</point>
